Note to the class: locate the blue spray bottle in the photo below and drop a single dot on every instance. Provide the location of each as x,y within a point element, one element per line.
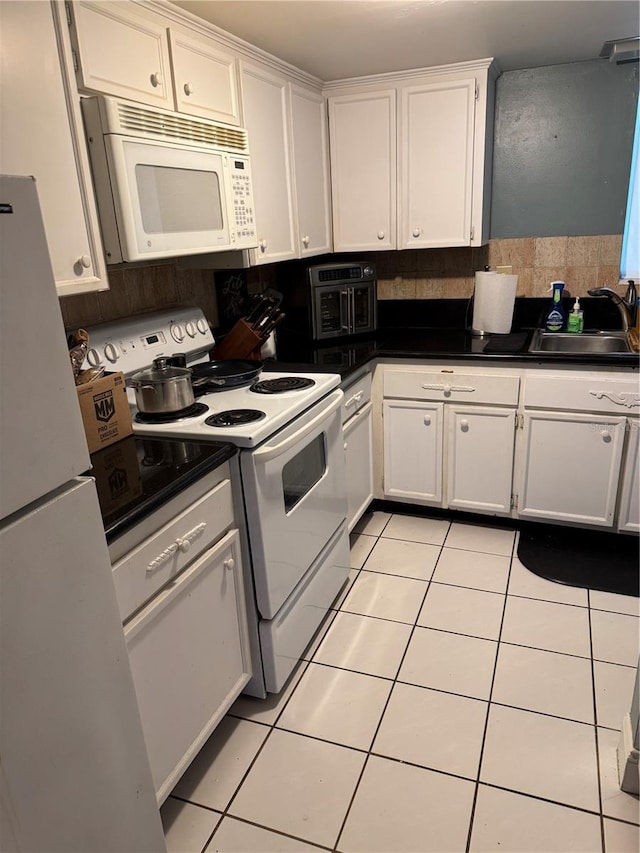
<point>556,316</point>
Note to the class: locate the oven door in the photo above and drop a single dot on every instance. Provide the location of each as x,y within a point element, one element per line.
<point>296,498</point>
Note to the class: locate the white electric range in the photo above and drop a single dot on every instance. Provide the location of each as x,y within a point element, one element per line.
<point>292,468</point>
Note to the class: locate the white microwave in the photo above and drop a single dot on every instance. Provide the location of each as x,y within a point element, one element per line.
<point>167,184</point>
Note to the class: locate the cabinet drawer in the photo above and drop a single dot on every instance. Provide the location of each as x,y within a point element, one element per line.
<point>145,569</point>
<point>596,394</point>
<point>356,396</point>
<point>451,386</point>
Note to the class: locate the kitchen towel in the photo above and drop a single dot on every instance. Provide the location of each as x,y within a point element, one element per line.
<point>493,302</point>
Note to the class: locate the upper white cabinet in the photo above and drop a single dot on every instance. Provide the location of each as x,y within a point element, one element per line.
<point>122,50</point>
<point>436,142</point>
<point>287,130</point>
<point>310,150</point>
<point>204,79</point>
<point>41,135</point>
<point>362,133</point>
<point>419,142</point>
<point>265,111</point>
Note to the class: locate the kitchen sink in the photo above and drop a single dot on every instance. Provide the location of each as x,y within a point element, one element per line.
<point>596,343</point>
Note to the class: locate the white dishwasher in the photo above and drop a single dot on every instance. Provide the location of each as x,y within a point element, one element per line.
<point>179,584</point>
<point>357,434</point>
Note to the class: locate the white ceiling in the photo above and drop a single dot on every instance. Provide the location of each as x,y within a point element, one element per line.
<point>345,38</point>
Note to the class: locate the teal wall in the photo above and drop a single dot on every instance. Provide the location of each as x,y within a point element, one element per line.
<point>563,139</point>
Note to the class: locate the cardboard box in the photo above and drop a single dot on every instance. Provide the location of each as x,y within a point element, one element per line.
<point>105,410</point>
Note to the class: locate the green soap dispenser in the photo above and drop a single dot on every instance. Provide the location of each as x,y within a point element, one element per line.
<point>575,320</point>
<point>555,317</point>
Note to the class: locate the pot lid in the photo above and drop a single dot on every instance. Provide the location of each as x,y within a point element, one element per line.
<point>161,371</point>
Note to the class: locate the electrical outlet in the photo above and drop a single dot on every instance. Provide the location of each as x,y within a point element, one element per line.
<point>506,270</point>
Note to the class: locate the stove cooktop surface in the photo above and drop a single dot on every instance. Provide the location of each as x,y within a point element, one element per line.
<point>279,409</point>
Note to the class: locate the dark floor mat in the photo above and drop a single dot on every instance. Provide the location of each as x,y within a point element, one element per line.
<point>588,558</point>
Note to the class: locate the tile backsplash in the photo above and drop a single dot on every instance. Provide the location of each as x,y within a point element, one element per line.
<point>581,262</point>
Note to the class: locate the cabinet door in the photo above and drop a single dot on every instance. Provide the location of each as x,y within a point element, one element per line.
<point>189,657</point>
<point>120,52</point>
<point>265,111</point>
<point>204,79</point>
<point>571,467</point>
<point>480,458</point>
<point>413,450</point>
<point>362,130</point>
<point>41,134</point>
<point>358,445</point>
<point>436,164</point>
<point>311,170</point>
<point>629,514</point>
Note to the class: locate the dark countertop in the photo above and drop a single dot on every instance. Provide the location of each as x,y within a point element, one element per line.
<point>136,475</point>
<point>437,329</point>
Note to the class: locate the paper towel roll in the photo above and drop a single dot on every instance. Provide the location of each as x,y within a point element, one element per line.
<point>493,302</point>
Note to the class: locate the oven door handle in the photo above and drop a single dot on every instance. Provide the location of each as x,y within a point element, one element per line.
<point>270,451</point>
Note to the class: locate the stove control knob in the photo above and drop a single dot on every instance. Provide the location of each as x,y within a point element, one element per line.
<point>190,329</point>
<point>177,332</point>
<point>201,326</point>
<point>112,353</point>
<point>93,357</point>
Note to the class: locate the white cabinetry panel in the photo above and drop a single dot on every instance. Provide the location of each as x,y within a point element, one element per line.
<point>265,110</point>
<point>571,467</point>
<point>311,170</point>
<point>480,458</point>
<point>358,446</point>
<point>204,79</point>
<point>629,512</point>
<point>122,52</point>
<point>436,164</point>
<point>42,135</point>
<point>413,450</point>
<point>362,129</point>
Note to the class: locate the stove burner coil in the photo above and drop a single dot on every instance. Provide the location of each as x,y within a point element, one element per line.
<point>192,411</point>
<point>281,384</point>
<point>235,417</point>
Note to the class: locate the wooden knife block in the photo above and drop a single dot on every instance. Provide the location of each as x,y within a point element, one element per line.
<point>241,342</point>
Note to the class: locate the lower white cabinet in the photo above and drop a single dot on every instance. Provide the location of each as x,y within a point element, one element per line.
<point>439,451</point>
<point>571,467</point>
<point>480,458</point>
<point>357,433</point>
<point>413,450</point>
<point>629,507</point>
<point>188,659</point>
<point>358,446</point>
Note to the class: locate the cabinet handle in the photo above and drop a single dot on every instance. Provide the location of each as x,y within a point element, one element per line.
<point>427,420</point>
<point>188,89</point>
<point>263,245</point>
<point>606,436</point>
<point>230,564</point>
<point>464,425</point>
<point>380,235</point>
<point>345,445</point>
<point>305,240</point>
<point>416,232</point>
<point>156,79</point>
<point>84,261</point>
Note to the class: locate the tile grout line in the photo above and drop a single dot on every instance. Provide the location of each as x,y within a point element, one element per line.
<point>386,705</point>
<point>595,723</point>
<point>486,721</point>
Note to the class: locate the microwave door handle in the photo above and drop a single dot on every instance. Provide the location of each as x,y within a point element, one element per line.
<point>344,310</point>
<point>271,451</point>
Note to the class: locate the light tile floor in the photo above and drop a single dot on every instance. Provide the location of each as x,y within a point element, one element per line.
<point>452,701</point>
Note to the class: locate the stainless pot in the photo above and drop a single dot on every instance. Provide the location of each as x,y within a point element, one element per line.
<point>162,389</point>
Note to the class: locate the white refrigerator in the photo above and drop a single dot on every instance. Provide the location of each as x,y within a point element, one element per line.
<point>74,773</point>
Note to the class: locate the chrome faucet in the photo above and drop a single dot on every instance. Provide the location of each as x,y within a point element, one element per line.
<point>626,305</point>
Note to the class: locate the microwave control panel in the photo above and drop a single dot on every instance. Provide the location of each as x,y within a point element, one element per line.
<point>243,208</point>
